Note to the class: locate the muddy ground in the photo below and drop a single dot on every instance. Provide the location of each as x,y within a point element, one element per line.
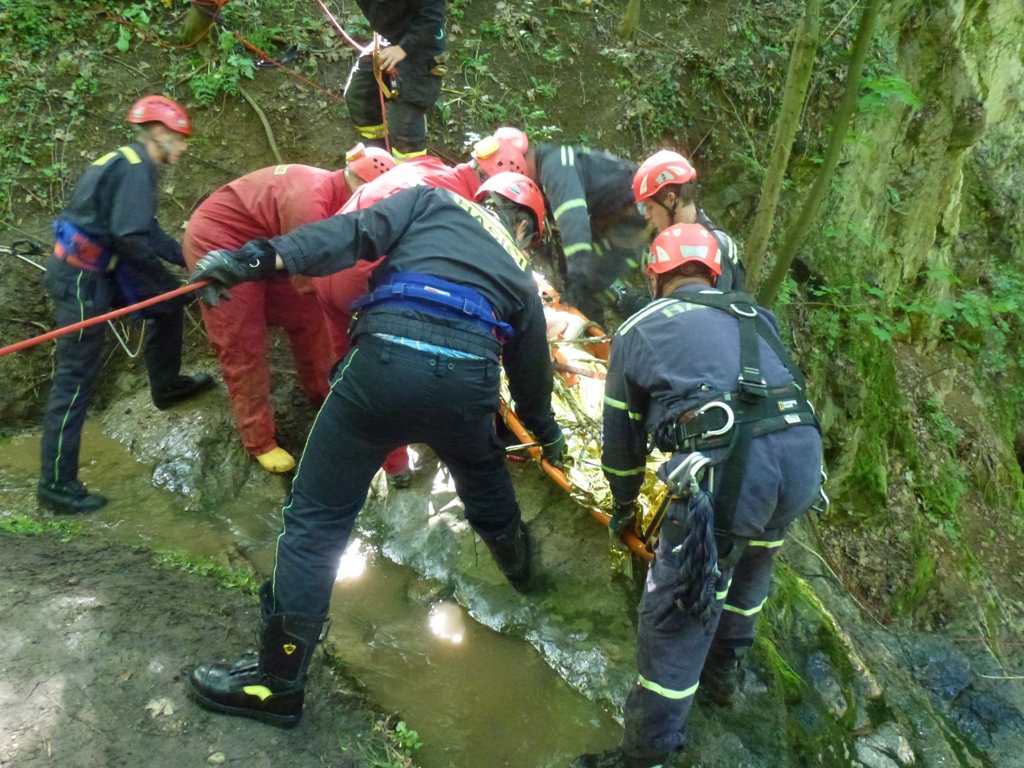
<point>97,645</point>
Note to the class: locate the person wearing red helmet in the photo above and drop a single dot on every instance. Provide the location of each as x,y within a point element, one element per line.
<point>108,252</point>
<point>410,65</point>
<point>451,300</point>
<point>665,190</point>
<point>337,291</point>
<point>706,377</point>
<point>364,164</point>
<point>267,203</point>
<point>589,196</point>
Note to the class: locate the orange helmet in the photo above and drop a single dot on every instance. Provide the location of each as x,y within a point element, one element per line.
<point>160,109</point>
<point>681,243</point>
<point>369,162</point>
<point>504,151</point>
<point>519,189</point>
<point>658,170</point>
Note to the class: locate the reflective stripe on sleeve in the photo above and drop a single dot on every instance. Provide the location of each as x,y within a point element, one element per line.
<point>577,202</point>
<point>623,472</point>
<point>577,248</point>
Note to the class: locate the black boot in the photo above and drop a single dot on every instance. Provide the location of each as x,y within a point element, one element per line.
<point>181,388</point>
<point>511,550</point>
<point>269,688</point>
<point>70,498</point>
<point>617,758</point>
<point>722,676</point>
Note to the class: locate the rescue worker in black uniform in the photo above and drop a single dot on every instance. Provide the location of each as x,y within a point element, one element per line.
<point>452,294</point>
<point>411,65</point>
<point>108,252</point>
<point>706,374</point>
<point>589,194</point>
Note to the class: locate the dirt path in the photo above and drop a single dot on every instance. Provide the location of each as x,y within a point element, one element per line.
<point>95,643</point>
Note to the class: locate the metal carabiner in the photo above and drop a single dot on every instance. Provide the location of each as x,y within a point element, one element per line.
<point>735,308</point>
<point>690,468</point>
<point>730,417</point>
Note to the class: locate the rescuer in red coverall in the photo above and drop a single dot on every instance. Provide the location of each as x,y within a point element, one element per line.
<point>337,292</point>
<point>267,203</point>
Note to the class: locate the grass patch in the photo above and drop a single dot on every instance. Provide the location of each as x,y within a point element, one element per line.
<point>29,526</point>
<point>229,578</point>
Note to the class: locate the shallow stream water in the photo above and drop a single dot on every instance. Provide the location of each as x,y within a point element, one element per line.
<point>476,697</point>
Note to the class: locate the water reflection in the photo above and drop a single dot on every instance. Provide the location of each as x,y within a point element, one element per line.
<point>476,697</point>
<point>353,561</point>
<point>446,621</point>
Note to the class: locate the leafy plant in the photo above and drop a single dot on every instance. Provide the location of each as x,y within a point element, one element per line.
<point>223,74</point>
<point>884,91</point>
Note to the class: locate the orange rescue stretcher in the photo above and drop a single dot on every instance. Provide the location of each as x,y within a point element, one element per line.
<point>579,352</point>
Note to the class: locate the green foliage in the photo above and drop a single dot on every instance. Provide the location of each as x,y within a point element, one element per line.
<point>28,526</point>
<point>912,595</point>
<point>229,578</point>
<point>883,92</point>
<point>407,738</point>
<point>224,73</point>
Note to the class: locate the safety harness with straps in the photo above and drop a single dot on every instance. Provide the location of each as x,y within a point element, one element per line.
<point>435,296</point>
<point>733,419</point>
<point>80,249</point>
<point>730,420</point>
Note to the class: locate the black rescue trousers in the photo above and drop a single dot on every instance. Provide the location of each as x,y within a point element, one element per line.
<point>80,295</point>
<point>385,395</point>
<point>418,90</point>
<point>781,482</point>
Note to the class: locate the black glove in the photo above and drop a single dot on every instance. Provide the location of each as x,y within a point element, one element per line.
<point>623,516</point>
<point>554,451</point>
<point>223,269</point>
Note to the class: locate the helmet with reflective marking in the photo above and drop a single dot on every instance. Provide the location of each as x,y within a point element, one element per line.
<point>369,162</point>
<point>659,170</point>
<point>160,109</point>
<point>504,151</point>
<point>519,189</point>
<point>682,243</point>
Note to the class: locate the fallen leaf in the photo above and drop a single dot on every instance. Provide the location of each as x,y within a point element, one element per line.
<point>160,707</point>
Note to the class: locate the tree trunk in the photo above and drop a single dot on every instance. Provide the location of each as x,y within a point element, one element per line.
<point>630,20</point>
<point>854,76</point>
<point>801,64</point>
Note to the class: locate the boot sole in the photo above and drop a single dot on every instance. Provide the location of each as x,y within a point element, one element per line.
<point>269,718</point>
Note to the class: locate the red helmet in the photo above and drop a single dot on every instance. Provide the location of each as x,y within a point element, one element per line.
<point>681,243</point>
<point>661,168</point>
<point>504,151</point>
<point>160,109</point>
<point>517,188</point>
<point>369,162</point>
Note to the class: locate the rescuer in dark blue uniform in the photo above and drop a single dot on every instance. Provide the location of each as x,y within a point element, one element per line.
<point>705,374</point>
<point>412,66</point>
<point>109,248</point>
<point>452,294</point>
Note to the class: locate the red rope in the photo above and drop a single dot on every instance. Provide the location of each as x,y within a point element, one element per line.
<point>100,318</point>
<point>355,44</point>
<point>239,38</point>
